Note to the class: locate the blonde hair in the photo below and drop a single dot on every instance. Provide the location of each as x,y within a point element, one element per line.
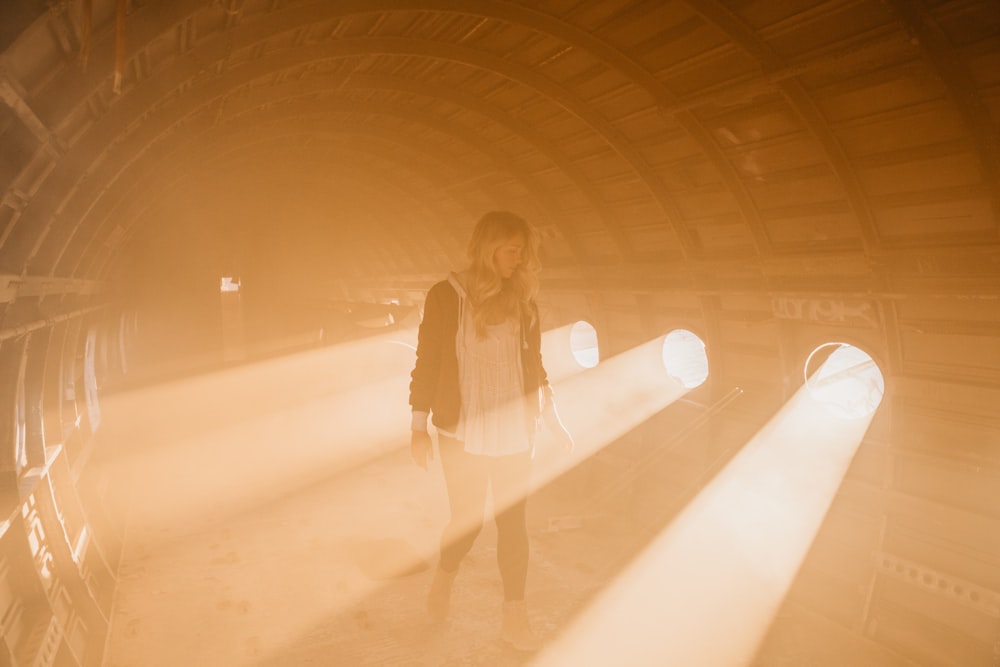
<point>495,299</point>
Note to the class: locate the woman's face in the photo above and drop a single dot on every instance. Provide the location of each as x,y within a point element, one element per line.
<point>509,255</point>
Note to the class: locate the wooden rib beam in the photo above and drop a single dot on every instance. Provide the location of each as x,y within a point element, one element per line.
<point>15,332</point>
<point>13,287</point>
<point>800,102</point>
<point>13,96</point>
<point>962,91</point>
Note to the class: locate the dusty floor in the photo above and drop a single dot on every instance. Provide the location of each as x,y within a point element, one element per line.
<point>273,537</point>
<point>273,517</point>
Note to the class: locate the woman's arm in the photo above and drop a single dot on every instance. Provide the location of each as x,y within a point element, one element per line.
<point>552,421</point>
<point>549,413</point>
<point>427,370</point>
<point>425,376</point>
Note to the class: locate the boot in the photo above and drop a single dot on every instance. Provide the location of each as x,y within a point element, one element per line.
<point>516,630</point>
<point>440,594</point>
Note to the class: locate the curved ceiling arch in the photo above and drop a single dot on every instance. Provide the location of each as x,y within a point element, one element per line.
<point>512,15</point>
<point>263,96</point>
<point>175,176</point>
<point>300,16</point>
<point>210,89</point>
<point>468,102</point>
<point>383,250</point>
<point>222,151</point>
<point>264,120</point>
<point>644,79</point>
<point>545,86</point>
<point>382,144</point>
<point>498,159</point>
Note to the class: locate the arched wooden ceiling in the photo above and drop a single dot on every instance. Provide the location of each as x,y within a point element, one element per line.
<point>676,134</point>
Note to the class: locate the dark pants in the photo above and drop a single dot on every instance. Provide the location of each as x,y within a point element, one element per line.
<point>467,477</point>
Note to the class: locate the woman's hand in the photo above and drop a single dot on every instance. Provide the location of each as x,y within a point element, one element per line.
<point>563,437</point>
<point>558,429</point>
<point>421,448</point>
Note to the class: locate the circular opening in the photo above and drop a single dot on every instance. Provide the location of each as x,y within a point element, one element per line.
<point>583,344</point>
<point>684,358</point>
<point>845,380</point>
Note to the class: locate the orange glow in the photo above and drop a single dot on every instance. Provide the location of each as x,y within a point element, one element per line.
<point>270,426</point>
<point>286,456</point>
<point>722,569</point>
<point>601,404</point>
<point>300,460</point>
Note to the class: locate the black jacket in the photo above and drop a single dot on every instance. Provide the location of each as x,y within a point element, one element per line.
<point>434,380</point>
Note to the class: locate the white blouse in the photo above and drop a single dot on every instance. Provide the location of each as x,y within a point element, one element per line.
<point>493,420</point>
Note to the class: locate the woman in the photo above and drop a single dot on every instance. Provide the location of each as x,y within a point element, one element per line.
<point>479,376</point>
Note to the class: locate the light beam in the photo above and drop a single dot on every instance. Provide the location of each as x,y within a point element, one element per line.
<point>706,590</point>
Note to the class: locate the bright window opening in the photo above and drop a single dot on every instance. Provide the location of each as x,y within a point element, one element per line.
<point>20,425</point>
<point>229,284</point>
<point>684,358</point>
<point>845,380</point>
<point>90,379</point>
<point>583,344</point>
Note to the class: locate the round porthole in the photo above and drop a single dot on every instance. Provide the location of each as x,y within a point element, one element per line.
<point>684,358</point>
<point>583,344</point>
<point>845,380</point>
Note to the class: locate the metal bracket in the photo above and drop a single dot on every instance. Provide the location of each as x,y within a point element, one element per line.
<point>967,593</point>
